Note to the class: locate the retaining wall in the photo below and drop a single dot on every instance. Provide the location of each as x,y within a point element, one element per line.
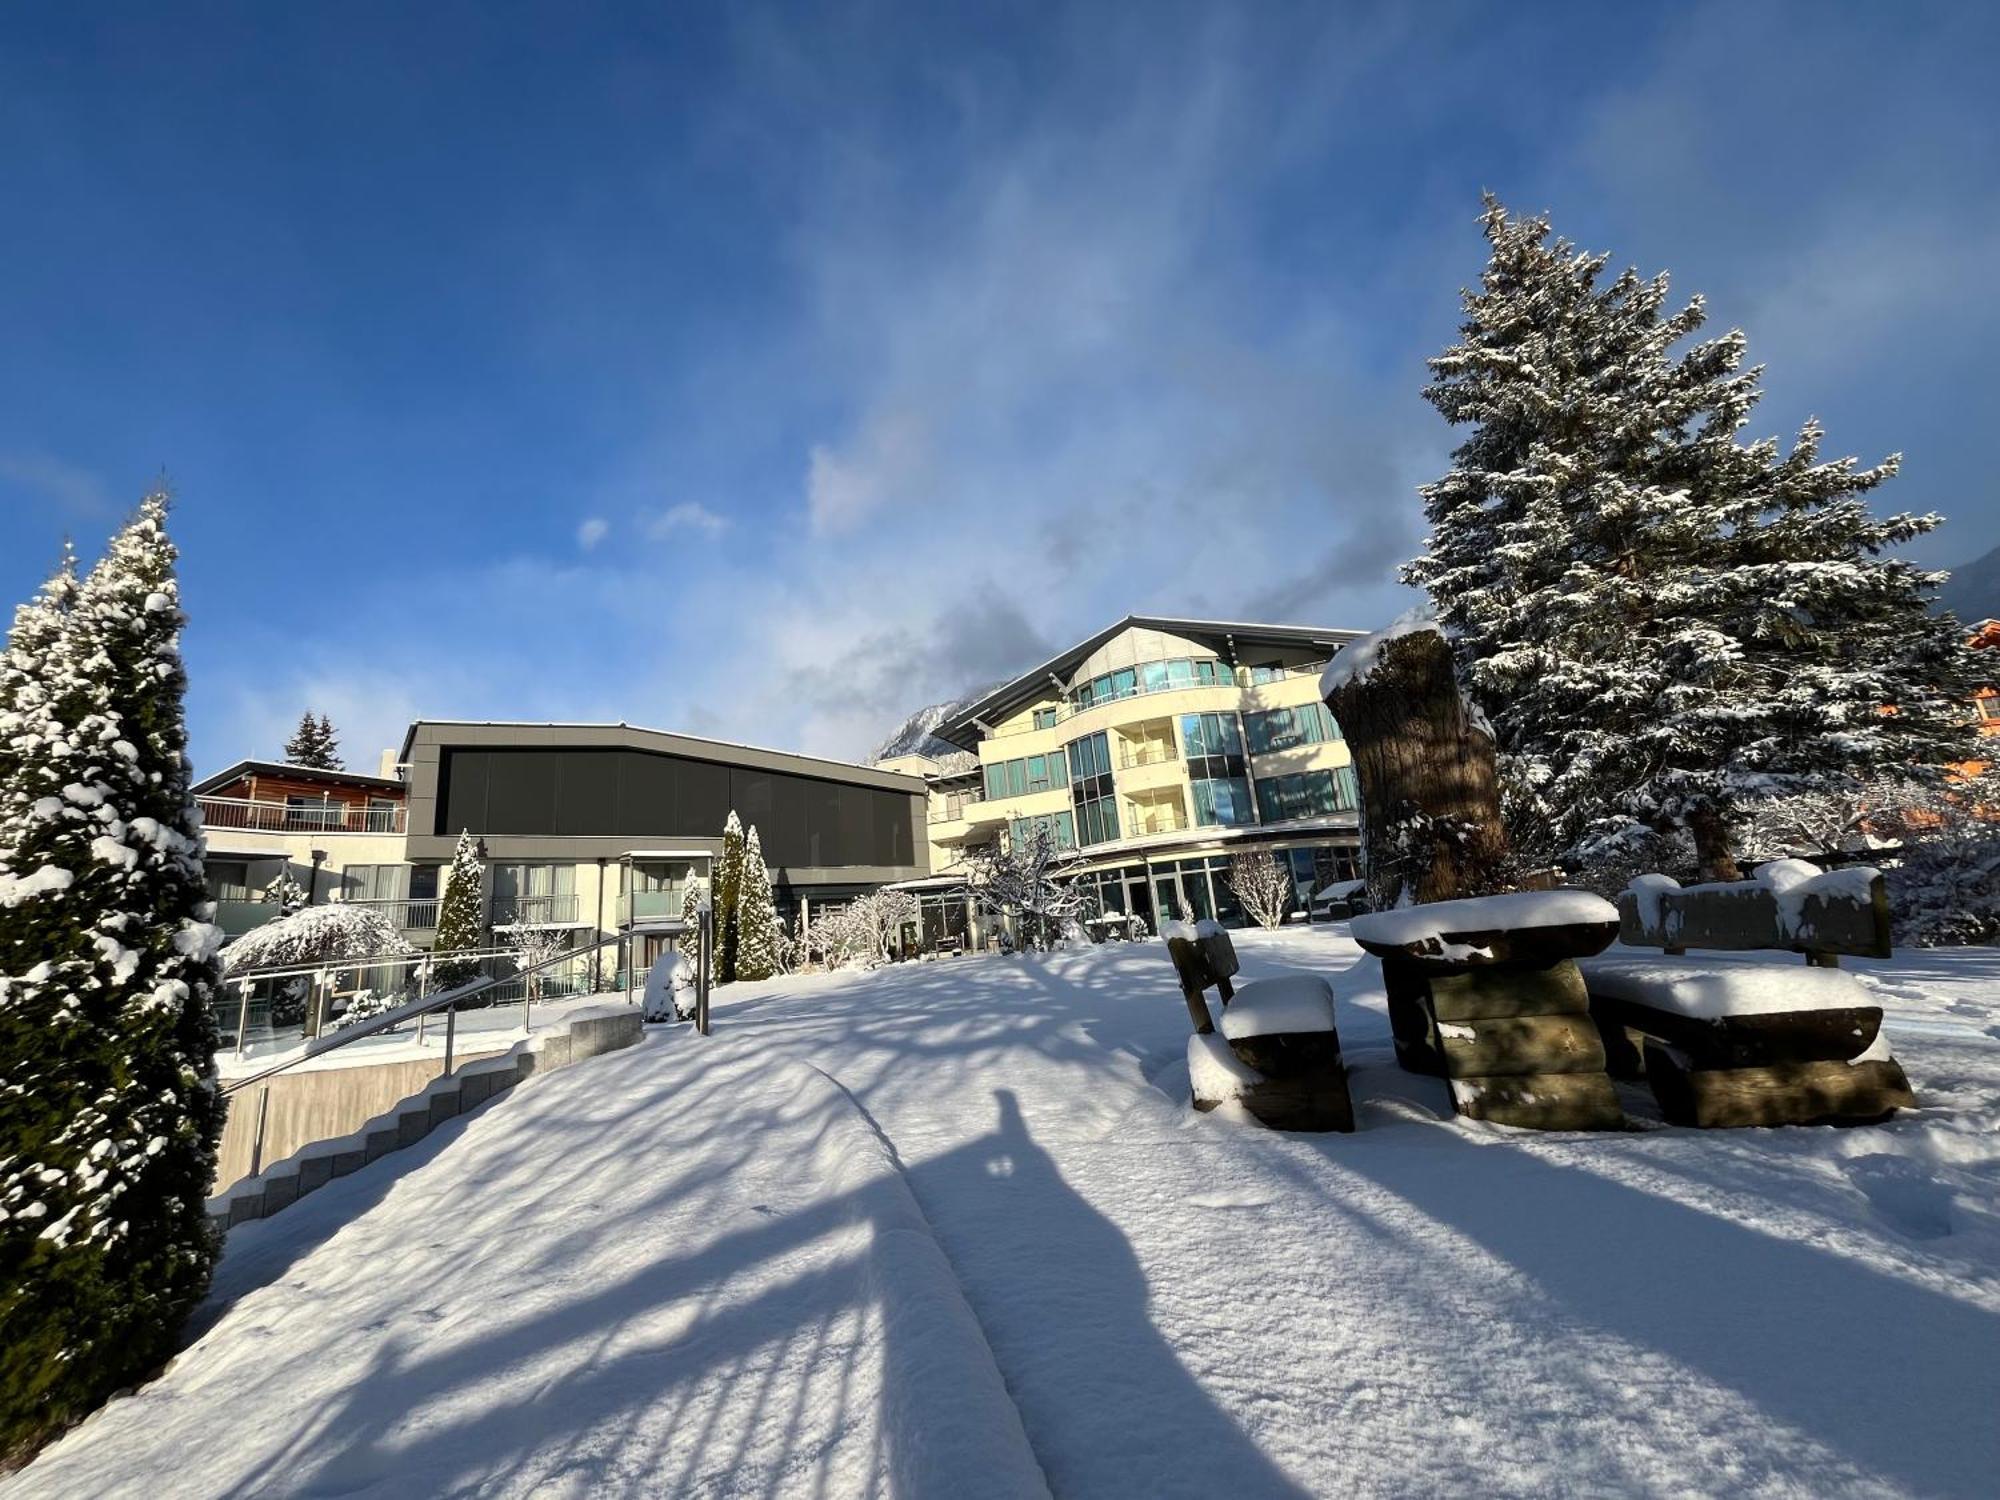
<point>408,1119</point>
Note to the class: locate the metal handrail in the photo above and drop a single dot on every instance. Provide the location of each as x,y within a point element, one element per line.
<point>321,1045</point>
<point>265,815</point>
<point>370,961</point>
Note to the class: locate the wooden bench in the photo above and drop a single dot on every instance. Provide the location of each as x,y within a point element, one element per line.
<point>1279,1052</point>
<point>1729,1042</point>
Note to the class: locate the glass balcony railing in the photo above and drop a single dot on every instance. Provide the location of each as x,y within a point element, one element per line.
<point>534,911</point>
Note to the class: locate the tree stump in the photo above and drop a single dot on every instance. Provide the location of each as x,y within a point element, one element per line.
<point>1430,787</point>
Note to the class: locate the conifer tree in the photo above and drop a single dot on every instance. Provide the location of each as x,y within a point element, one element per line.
<point>728,887</point>
<point>314,744</point>
<point>329,747</point>
<point>24,665</point>
<point>689,942</point>
<point>1663,622</point>
<point>110,1116</point>
<point>756,915</point>
<point>460,921</point>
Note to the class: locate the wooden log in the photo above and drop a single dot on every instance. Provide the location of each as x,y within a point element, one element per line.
<point>1488,993</point>
<point>1430,789</point>
<point>1317,1101</point>
<point>1288,1054</point>
<point>1520,1046</point>
<point>1766,1039</point>
<point>1541,1101</point>
<point>1415,1036</point>
<point>1745,916</point>
<point>1810,1093</point>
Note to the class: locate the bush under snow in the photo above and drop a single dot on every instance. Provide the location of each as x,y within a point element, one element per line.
<point>316,935</point>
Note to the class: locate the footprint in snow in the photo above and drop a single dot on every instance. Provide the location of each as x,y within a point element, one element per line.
<point>1903,1194</point>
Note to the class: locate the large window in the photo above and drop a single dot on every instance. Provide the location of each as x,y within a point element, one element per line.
<point>1029,773</point>
<point>1307,794</point>
<point>1062,825</point>
<point>1091,791</point>
<point>1150,677</point>
<point>1288,728</point>
<point>1223,801</point>
<point>644,794</point>
<point>375,882</point>
<point>1213,745</point>
<point>534,893</point>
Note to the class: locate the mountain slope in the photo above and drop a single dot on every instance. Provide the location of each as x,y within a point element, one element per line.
<point>1973,594</point>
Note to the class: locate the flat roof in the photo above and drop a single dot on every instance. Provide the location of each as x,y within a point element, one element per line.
<point>553,733</point>
<point>1224,637</point>
<point>242,768</point>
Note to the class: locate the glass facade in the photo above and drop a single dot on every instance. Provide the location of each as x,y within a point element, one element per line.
<point>1062,825</point>
<point>1090,789</point>
<point>1045,718</point>
<point>1288,728</point>
<point>1029,773</point>
<point>1150,677</point>
<point>1306,794</point>
<point>1223,801</point>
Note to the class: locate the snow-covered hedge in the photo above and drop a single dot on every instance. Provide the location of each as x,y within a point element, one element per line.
<point>316,935</point>
<point>1946,891</point>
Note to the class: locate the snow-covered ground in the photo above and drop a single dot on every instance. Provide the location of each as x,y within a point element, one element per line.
<point>952,1229</point>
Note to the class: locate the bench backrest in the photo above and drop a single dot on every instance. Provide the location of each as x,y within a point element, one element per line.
<point>1844,912</point>
<point>1203,961</point>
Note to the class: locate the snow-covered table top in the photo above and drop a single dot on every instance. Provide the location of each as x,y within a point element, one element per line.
<point>1440,929</point>
<point>1713,989</point>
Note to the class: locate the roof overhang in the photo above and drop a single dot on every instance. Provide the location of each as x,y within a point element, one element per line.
<point>1229,639</point>
<point>244,768</point>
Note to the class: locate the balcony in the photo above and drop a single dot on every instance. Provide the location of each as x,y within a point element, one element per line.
<point>644,904</point>
<point>411,916</point>
<point>1238,681</point>
<point>535,911</point>
<point>1132,755</point>
<point>294,817</point>
<point>1142,818</point>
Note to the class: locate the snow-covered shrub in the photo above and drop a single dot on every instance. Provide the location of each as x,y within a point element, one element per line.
<point>1263,884</point>
<point>110,1116</point>
<point>316,935</point>
<point>861,933</point>
<point>364,1004</point>
<point>461,917</point>
<point>286,894</point>
<point>1032,880</point>
<point>1946,890</point>
<point>1610,862</point>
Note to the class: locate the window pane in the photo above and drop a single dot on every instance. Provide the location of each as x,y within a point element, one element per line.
<point>1180,673</point>
<point>1153,675</point>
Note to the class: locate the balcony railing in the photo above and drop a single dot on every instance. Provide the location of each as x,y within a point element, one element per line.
<point>265,816</point>
<point>954,815</point>
<point>1138,823</point>
<point>533,911</point>
<point>1145,755</point>
<point>411,916</point>
<point>1065,711</point>
<point>236,917</point>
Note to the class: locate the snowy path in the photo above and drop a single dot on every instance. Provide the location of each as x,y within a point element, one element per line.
<point>803,1256</point>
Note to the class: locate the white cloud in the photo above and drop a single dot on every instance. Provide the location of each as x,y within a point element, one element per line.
<point>689,515</point>
<point>74,490</point>
<point>591,532</point>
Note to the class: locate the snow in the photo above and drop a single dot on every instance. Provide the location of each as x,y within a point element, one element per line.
<point>952,1228</point>
<point>662,980</point>
<point>1436,921</point>
<point>1188,932</point>
<point>1214,1071</point>
<point>1711,988</point>
<point>1291,1002</point>
<point>1357,659</point>
<point>1650,890</point>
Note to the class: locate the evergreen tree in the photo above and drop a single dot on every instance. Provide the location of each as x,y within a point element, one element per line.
<point>24,666</point>
<point>728,887</point>
<point>329,747</point>
<point>1663,622</point>
<point>109,1117</point>
<point>314,744</point>
<point>460,925</point>
<point>689,942</point>
<point>287,893</point>
<point>756,915</point>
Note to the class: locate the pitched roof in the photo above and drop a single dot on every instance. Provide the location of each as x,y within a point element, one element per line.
<point>242,768</point>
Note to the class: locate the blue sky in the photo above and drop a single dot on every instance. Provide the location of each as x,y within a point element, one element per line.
<point>767,373</point>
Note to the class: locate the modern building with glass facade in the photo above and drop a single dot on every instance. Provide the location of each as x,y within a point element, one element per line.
<point>1158,748</point>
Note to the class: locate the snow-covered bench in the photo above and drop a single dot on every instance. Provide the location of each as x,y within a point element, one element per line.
<point>1729,1041</point>
<point>1485,992</point>
<point>1278,1054</point>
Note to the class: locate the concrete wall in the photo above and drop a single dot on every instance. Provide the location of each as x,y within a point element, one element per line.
<point>313,1104</point>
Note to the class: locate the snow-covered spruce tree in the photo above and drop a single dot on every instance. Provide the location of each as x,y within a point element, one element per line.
<point>24,665</point>
<point>728,886</point>
<point>756,915</point>
<point>460,925</point>
<point>109,1113</point>
<point>287,893</point>
<point>1663,622</point>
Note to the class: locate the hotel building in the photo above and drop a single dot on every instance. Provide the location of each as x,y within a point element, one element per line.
<point>1159,748</point>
